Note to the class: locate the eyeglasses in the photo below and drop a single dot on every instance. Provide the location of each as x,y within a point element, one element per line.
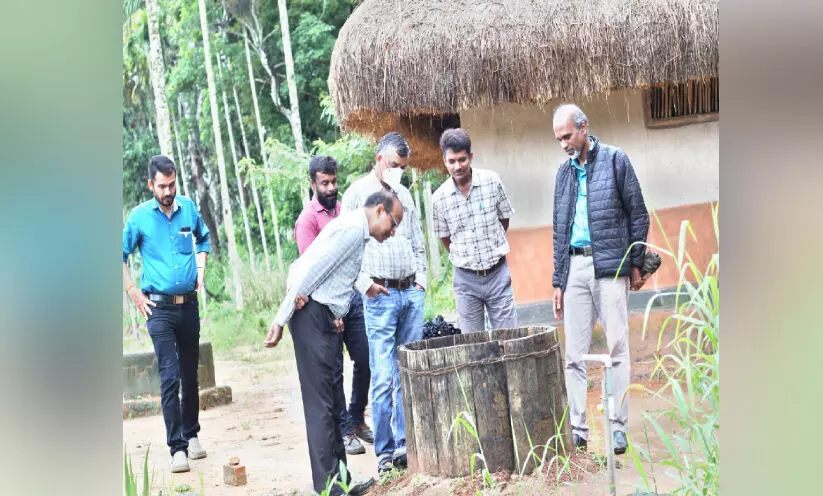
<point>394,222</point>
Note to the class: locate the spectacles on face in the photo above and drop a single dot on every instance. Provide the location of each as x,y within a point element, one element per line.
<point>394,222</point>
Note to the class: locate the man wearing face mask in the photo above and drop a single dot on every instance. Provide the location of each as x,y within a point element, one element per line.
<point>315,216</point>
<point>599,212</point>
<point>393,281</point>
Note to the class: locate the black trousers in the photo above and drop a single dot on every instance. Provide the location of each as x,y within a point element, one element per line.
<point>175,332</point>
<point>317,349</point>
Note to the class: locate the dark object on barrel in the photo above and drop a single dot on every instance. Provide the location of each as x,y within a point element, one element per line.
<point>651,262</point>
<point>438,327</point>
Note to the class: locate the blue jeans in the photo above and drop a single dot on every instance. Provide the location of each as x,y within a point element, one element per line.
<point>357,344</point>
<point>391,320</point>
<point>175,332</point>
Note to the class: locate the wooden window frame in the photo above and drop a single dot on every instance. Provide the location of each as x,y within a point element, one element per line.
<point>673,121</point>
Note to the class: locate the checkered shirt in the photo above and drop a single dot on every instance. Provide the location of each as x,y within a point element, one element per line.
<point>328,268</point>
<point>478,239</point>
<point>400,256</point>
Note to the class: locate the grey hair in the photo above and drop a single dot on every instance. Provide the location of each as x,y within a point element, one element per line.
<point>578,117</point>
<point>396,141</point>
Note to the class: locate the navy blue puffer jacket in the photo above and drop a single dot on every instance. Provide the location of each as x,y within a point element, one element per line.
<point>617,213</point>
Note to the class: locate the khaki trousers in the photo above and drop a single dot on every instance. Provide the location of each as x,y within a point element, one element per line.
<point>585,300</point>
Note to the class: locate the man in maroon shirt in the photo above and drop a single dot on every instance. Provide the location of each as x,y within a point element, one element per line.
<point>315,216</point>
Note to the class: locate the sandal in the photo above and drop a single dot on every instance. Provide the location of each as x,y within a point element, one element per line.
<point>385,465</point>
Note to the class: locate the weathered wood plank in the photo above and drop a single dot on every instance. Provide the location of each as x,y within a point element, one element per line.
<point>552,393</point>
<point>440,408</point>
<point>491,403</point>
<point>523,399</point>
<point>461,399</point>
<point>410,407</point>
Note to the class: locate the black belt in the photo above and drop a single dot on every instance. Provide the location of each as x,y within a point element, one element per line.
<point>401,284</point>
<point>586,251</point>
<point>485,272</point>
<point>173,299</point>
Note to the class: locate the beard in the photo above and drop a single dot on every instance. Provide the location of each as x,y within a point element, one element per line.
<point>166,201</point>
<point>328,201</point>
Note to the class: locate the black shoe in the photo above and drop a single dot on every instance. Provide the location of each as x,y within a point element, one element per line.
<point>364,432</point>
<point>620,443</point>
<point>400,461</point>
<point>361,487</point>
<point>579,442</point>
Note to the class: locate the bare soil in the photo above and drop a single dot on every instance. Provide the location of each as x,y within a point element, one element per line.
<point>264,427</point>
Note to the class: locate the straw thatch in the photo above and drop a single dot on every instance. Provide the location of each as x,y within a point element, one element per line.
<point>399,58</point>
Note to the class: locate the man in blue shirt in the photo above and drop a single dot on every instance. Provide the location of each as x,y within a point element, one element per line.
<point>168,230</point>
<point>600,226</point>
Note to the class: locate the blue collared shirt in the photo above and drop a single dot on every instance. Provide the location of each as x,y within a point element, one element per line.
<point>581,236</point>
<point>167,245</point>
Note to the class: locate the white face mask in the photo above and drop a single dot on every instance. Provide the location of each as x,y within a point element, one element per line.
<point>391,176</point>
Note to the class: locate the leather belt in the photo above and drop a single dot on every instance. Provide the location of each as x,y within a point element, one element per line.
<point>485,272</point>
<point>173,299</point>
<point>586,251</point>
<point>401,284</point>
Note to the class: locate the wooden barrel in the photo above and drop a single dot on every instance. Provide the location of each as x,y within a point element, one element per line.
<point>508,383</point>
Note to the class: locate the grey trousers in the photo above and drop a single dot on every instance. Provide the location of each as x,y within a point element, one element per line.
<point>584,300</point>
<point>493,293</point>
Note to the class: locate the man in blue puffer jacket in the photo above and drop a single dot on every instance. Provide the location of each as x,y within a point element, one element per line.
<point>599,213</point>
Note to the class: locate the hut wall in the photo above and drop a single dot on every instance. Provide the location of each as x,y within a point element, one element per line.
<point>678,169</point>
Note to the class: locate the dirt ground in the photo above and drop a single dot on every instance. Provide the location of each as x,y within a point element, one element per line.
<point>264,427</point>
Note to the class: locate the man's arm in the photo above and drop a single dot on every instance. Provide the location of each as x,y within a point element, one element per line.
<point>418,244</point>
<point>324,260</point>
<point>137,297</point>
<point>202,248</point>
<point>634,206</point>
<point>305,231</point>
<point>441,227</point>
<point>556,282</point>
<point>504,206</point>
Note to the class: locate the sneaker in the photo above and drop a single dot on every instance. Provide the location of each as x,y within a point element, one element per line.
<point>352,445</point>
<point>399,459</point>
<point>579,442</point>
<point>364,432</point>
<point>384,466</point>
<point>179,463</point>
<point>196,451</point>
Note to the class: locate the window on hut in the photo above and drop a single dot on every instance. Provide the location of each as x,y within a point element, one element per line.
<point>675,104</point>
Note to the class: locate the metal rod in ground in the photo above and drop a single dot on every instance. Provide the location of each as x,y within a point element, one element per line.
<point>608,406</point>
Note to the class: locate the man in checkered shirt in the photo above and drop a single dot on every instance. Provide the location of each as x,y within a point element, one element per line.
<point>392,282</point>
<point>471,216</point>
<point>318,294</point>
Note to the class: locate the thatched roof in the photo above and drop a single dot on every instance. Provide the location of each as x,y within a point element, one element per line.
<point>411,57</point>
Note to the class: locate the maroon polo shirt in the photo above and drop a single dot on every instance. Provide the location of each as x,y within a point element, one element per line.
<point>311,221</point>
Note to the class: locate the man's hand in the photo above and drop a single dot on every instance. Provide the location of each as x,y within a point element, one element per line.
<point>375,289</point>
<point>557,303</point>
<point>637,280</point>
<point>274,335</point>
<point>141,302</point>
<point>300,302</point>
<point>338,325</point>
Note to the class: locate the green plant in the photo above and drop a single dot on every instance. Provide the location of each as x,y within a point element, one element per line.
<point>690,364</point>
<point>131,478</point>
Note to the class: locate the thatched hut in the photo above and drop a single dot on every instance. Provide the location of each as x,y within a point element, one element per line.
<point>644,71</point>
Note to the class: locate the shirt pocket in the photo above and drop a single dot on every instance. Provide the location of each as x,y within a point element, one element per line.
<point>185,245</point>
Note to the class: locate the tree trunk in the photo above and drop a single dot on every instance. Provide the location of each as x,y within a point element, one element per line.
<point>158,80</point>
<point>240,188</point>
<point>200,185</point>
<point>294,120</point>
<point>234,257</point>
<point>261,136</point>
<point>180,157</point>
<point>255,195</point>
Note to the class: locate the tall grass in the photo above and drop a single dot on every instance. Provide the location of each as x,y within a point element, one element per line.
<point>690,366</point>
<point>130,479</point>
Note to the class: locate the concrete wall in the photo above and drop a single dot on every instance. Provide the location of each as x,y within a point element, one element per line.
<point>141,377</point>
<point>675,166</point>
<point>678,169</point>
